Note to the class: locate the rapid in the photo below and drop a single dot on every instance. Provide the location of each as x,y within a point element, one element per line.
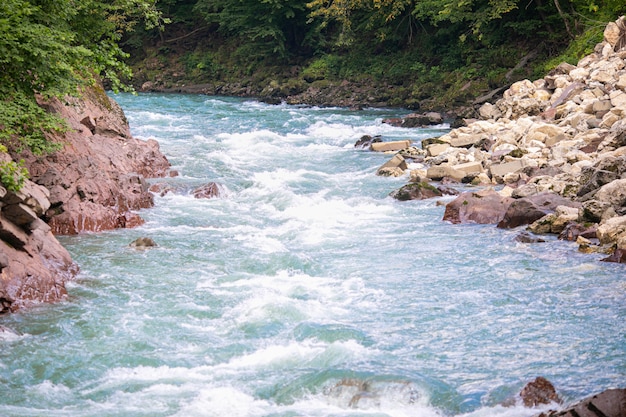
<point>305,290</point>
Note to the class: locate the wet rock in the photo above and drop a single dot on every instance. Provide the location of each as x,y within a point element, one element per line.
<point>618,256</point>
<point>416,191</point>
<point>143,242</point>
<point>527,210</point>
<point>483,207</point>
<point>539,391</point>
<point>573,230</point>
<point>526,237</point>
<point>97,179</point>
<point>366,141</point>
<point>422,120</point>
<point>609,403</point>
<point>34,267</point>
<point>210,190</point>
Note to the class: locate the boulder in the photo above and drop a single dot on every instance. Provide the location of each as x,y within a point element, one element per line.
<point>609,403</point>
<point>525,237</point>
<point>611,230</point>
<point>527,210</point>
<point>394,167</point>
<point>143,243</point>
<point>390,146</point>
<point>416,191</point>
<point>539,391</point>
<point>437,149</point>
<point>366,141</point>
<point>555,222</point>
<point>618,256</point>
<point>422,120</point>
<point>439,172</point>
<point>500,170</point>
<point>482,207</point>
<point>573,230</point>
<point>210,190</point>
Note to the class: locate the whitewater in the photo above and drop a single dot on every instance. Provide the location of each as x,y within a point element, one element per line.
<point>305,290</point>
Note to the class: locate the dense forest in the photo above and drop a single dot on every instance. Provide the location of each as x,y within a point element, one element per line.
<point>409,53</point>
<point>429,54</point>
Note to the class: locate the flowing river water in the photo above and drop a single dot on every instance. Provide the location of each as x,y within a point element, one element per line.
<point>305,290</point>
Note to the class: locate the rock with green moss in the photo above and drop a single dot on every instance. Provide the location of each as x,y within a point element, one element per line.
<point>416,191</point>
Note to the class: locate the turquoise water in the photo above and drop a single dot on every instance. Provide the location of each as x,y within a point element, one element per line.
<point>303,275</point>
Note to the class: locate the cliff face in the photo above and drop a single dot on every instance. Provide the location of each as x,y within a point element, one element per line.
<point>98,178</point>
<point>33,265</point>
<point>92,184</point>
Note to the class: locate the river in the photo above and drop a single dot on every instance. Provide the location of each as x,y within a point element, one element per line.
<point>305,290</point>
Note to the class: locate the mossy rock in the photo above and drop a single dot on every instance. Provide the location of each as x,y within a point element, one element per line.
<point>416,191</point>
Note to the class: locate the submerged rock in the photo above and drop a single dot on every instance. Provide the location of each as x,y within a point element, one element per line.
<point>143,242</point>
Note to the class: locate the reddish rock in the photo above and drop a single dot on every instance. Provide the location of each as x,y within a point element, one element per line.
<point>619,256</point>
<point>483,207</point>
<point>539,391</point>
<point>573,230</point>
<point>33,265</point>
<point>98,178</point>
<point>210,190</point>
<point>529,209</point>
<point>609,403</point>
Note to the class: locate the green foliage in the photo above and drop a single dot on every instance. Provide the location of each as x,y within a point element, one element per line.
<point>324,67</point>
<point>51,49</point>
<point>13,174</point>
<point>271,27</point>
<point>202,64</point>
<point>578,48</point>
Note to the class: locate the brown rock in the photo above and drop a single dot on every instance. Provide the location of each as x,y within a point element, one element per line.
<point>210,190</point>
<point>97,179</point>
<point>33,265</point>
<point>483,207</point>
<point>619,256</point>
<point>573,230</point>
<point>529,209</point>
<point>539,391</point>
<point>416,191</point>
<point>609,403</point>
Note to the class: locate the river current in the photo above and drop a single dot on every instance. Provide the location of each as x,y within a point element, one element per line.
<point>305,290</point>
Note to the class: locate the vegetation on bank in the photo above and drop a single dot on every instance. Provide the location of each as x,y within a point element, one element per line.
<point>51,49</point>
<point>432,54</point>
<point>413,53</point>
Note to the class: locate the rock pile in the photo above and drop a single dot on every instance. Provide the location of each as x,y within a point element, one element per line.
<point>560,139</point>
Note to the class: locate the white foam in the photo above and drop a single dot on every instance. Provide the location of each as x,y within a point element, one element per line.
<point>224,401</point>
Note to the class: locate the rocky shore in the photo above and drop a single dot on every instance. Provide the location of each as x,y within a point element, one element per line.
<point>94,183</point>
<point>554,148</point>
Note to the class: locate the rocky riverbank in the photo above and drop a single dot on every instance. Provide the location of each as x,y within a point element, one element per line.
<point>555,148</point>
<point>94,183</point>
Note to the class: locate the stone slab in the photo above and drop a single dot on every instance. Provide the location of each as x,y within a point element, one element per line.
<point>390,146</point>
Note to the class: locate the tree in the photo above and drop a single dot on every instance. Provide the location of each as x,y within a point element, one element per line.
<point>269,27</point>
<point>50,48</point>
